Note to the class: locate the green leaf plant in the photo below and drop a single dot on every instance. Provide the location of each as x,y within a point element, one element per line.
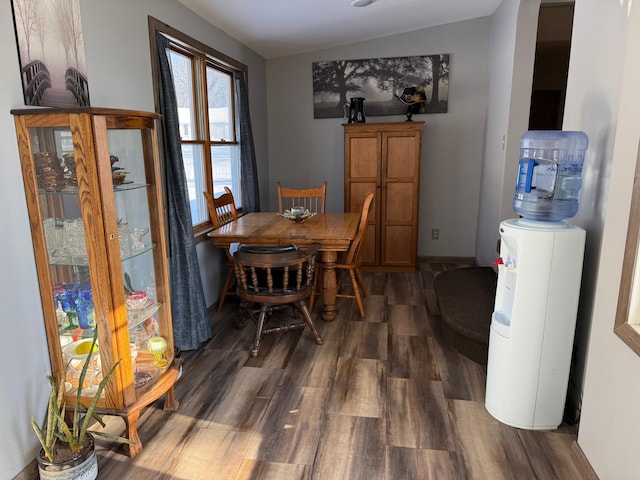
<point>73,433</point>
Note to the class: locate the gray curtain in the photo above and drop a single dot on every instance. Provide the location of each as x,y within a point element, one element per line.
<point>249,179</point>
<point>189,309</point>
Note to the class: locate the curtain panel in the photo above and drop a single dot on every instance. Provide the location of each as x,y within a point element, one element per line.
<point>249,179</point>
<point>191,324</point>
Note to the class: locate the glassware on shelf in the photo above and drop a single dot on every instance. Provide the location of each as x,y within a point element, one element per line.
<point>157,346</point>
<point>53,229</point>
<point>151,290</point>
<point>139,337</point>
<point>137,234</point>
<point>137,300</point>
<point>134,355</point>
<point>85,307</point>
<point>49,171</point>
<point>123,237</point>
<point>67,296</point>
<point>61,315</point>
<point>73,240</point>
<point>63,319</point>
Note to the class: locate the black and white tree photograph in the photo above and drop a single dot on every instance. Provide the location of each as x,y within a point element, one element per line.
<point>51,52</point>
<point>381,82</point>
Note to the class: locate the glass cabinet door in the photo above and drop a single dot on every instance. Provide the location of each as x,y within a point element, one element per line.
<point>99,242</point>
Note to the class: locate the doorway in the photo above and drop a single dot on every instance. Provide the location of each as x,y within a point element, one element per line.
<point>551,66</point>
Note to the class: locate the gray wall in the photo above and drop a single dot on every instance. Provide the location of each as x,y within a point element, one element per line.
<point>119,72</point>
<point>119,68</point>
<point>601,100</point>
<point>304,151</point>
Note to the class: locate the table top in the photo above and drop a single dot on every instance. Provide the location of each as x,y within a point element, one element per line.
<point>333,231</point>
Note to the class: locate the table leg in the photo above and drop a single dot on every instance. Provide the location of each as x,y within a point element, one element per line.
<point>329,285</point>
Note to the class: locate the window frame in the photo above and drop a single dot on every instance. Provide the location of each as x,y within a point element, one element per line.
<point>188,46</point>
<point>627,320</point>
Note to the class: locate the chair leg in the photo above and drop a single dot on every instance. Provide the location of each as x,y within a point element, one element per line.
<point>312,299</point>
<point>356,291</point>
<point>256,343</point>
<point>317,288</point>
<point>307,317</point>
<point>361,282</point>
<point>225,289</point>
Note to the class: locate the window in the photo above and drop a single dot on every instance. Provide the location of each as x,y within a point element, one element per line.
<point>206,97</point>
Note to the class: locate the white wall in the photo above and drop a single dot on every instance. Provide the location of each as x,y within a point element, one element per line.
<point>602,100</point>
<point>513,36</point>
<point>304,151</point>
<point>119,71</point>
<point>592,103</point>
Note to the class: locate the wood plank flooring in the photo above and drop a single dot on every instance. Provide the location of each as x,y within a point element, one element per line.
<point>382,398</point>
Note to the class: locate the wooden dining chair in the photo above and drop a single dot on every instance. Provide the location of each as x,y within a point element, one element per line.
<point>312,199</point>
<point>222,210</point>
<point>273,277</point>
<point>349,263</point>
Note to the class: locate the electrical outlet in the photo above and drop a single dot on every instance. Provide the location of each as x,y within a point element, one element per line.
<point>435,234</point>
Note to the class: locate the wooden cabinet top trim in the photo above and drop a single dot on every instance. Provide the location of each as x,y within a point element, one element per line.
<point>383,126</point>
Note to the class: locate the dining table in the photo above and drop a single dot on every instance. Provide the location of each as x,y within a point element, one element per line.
<point>334,232</point>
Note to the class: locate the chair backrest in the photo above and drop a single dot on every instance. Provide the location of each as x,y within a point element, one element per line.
<point>312,199</point>
<point>354,248</point>
<point>274,275</point>
<point>222,209</point>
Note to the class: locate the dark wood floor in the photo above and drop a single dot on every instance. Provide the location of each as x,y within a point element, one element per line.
<point>383,398</point>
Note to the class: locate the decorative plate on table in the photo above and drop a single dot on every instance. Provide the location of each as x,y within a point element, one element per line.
<point>297,218</point>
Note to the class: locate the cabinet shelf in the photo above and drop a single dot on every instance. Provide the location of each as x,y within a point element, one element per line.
<point>73,189</point>
<point>81,261</point>
<point>94,241</point>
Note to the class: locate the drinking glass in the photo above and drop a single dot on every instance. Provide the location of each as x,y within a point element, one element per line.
<point>67,298</point>
<point>53,237</point>
<point>123,236</point>
<point>136,235</point>
<point>157,346</point>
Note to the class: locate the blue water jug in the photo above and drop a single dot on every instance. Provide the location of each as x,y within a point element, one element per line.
<point>549,174</point>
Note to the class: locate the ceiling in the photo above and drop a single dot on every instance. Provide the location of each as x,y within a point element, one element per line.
<point>278,28</point>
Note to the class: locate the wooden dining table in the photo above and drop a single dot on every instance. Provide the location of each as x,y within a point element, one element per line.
<point>333,231</point>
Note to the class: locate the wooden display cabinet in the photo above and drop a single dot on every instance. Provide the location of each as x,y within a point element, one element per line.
<point>385,158</point>
<point>94,197</point>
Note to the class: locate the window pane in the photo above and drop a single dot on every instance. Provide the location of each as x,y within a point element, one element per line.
<point>182,69</point>
<point>220,108</point>
<point>225,165</point>
<point>193,159</point>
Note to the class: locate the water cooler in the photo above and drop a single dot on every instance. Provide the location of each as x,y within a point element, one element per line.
<point>532,327</point>
<point>539,274</point>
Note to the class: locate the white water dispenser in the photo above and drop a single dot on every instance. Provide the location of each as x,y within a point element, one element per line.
<point>533,324</point>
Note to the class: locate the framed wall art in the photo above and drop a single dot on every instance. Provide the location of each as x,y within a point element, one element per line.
<point>51,52</point>
<point>380,82</point>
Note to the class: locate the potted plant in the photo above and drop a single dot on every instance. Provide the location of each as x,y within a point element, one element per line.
<point>67,446</point>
